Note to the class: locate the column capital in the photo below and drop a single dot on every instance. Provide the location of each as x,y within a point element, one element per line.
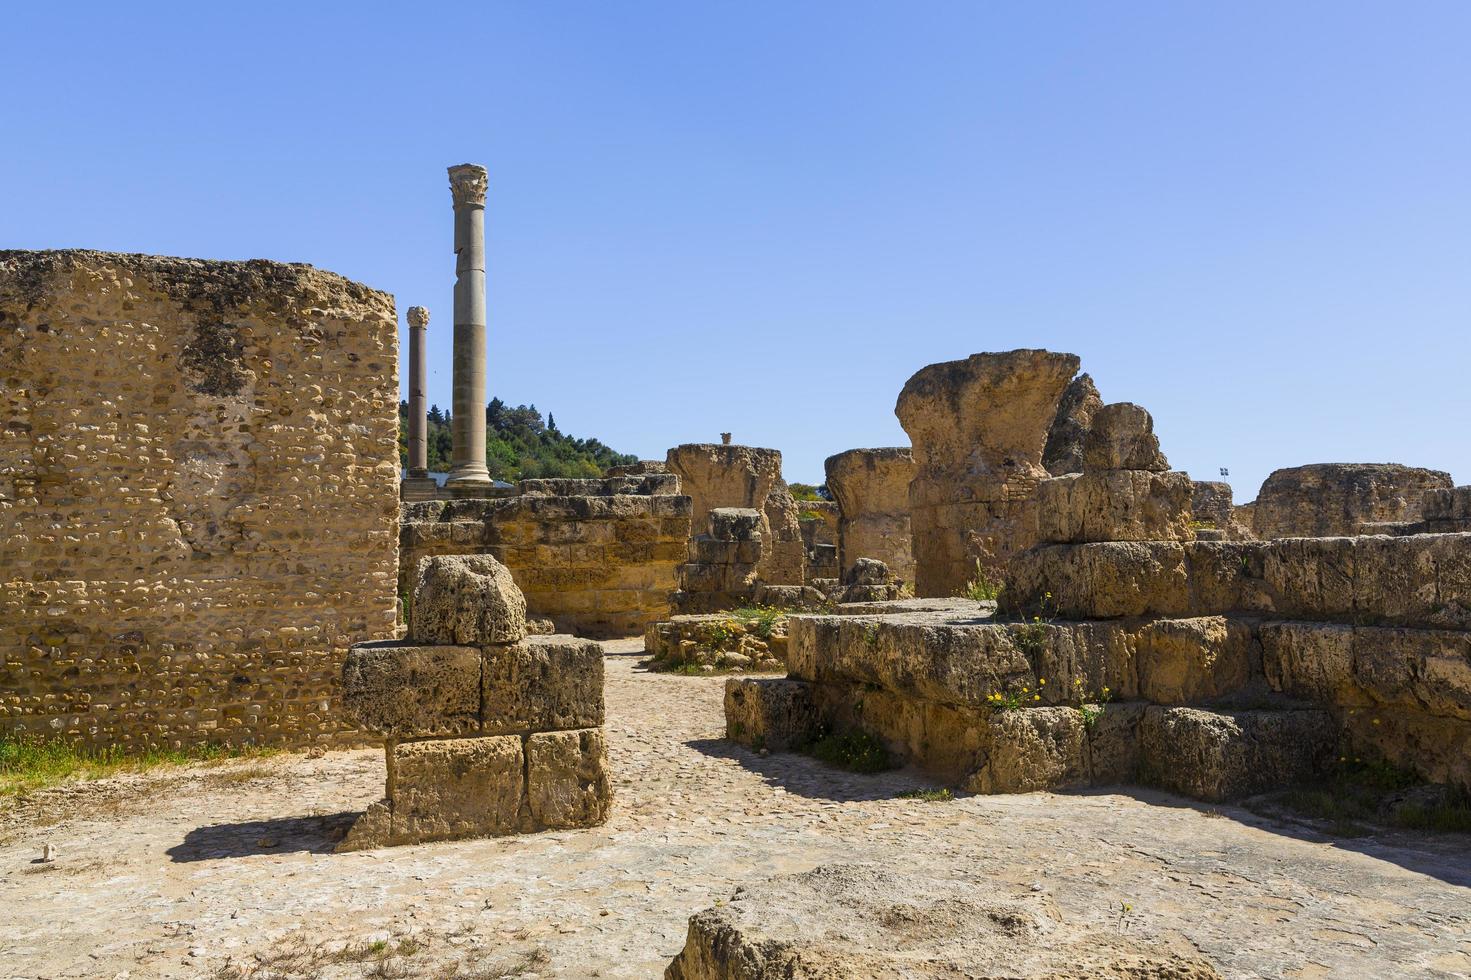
<point>468,183</point>
<point>418,316</point>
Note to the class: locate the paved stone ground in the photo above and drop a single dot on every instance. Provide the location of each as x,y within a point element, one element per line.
<point>227,871</point>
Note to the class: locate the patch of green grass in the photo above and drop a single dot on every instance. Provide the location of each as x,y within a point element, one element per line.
<point>856,751</point>
<point>941,795</point>
<point>30,764</point>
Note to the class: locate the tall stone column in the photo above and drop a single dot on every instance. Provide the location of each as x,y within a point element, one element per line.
<point>418,390</point>
<point>468,182</point>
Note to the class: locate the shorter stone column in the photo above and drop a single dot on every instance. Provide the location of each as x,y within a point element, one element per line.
<point>418,383</point>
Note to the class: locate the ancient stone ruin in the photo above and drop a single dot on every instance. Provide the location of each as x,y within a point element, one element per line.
<point>978,428</point>
<point>596,557</point>
<point>1334,499</point>
<point>871,487</point>
<point>487,730</point>
<point>1133,652</point>
<point>176,434</point>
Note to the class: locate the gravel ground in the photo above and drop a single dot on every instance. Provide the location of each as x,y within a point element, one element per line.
<point>227,870</point>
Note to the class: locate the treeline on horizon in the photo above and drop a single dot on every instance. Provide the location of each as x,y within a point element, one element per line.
<point>519,445</point>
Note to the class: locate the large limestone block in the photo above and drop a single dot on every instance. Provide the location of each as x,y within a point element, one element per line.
<point>542,683</point>
<point>1228,576</point>
<point>466,599</point>
<point>567,781</point>
<point>1064,450</point>
<point>871,487</point>
<point>1103,580</point>
<point>1185,661</point>
<point>1216,756</point>
<point>735,524</point>
<point>1033,749</point>
<point>1074,662</point>
<point>1121,437</point>
<point>1114,505</point>
<point>400,690</point>
<point>1418,580</point>
<point>1311,578</point>
<point>1331,499</point>
<point>1113,742</point>
<point>955,665</point>
<point>769,713</point>
<point>1417,670</point>
<point>849,921</point>
<point>1311,660</point>
<point>457,787</point>
<point>978,429</point>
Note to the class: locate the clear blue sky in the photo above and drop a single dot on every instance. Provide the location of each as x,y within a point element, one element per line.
<point>1253,218</point>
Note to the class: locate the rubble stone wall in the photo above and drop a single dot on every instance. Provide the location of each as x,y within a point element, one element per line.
<point>198,496</point>
<point>597,557</point>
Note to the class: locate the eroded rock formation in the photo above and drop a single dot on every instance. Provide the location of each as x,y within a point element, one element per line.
<point>978,429</point>
<point>1064,450</point>
<point>871,487</point>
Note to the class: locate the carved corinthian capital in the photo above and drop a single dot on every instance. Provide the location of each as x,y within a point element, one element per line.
<point>418,316</point>
<point>467,182</point>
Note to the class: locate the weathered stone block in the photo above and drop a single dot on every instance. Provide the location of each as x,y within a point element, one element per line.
<point>541,684</point>
<point>1121,437</point>
<point>1033,749</point>
<point>1186,661</point>
<point>1420,670</point>
<point>1331,499</point>
<point>1102,580</point>
<point>1219,756</point>
<point>466,599</point>
<point>458,787</point>
<point>1419,580</point>
<point>1227,576</point>
<point>400,690</point>
<point>1114,505</point>
<point>1311,578</point>
<point>769,713</point>
<point>1311,660</point>
<point>567,779</point>
<point>1113,742</point>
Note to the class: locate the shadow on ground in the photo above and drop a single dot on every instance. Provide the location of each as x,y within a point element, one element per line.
<point>1446,856</point>
<point>810,778</point>
<point>315,835</point>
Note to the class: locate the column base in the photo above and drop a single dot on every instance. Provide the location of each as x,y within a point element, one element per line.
<point>468,473</point>
<point>418,488</point>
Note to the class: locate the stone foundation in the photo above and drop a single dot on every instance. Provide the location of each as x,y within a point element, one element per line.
<point>871,487</point>
<point>487,730</point>
<point>198,497</point>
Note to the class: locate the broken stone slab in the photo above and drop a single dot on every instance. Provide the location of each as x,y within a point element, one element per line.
<point>1114,505</point>
<point>468,600</point>
<point>542,684</point>
<point>402,690</point>
<point>1218,756</point>
<point>1121,437</point>
<point>769,713</point>
<point>867,921</point>
<point>567,781</point>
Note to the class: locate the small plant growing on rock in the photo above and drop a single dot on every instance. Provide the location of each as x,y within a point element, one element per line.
<point>983,587</point>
